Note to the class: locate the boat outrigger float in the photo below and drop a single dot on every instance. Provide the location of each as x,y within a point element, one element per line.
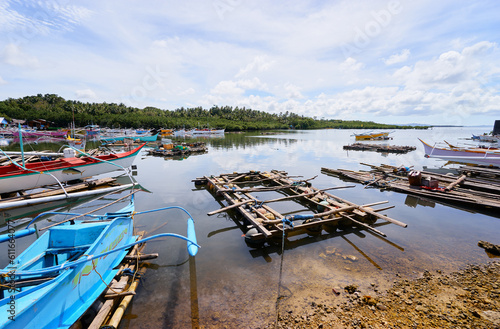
<point>56,279</point>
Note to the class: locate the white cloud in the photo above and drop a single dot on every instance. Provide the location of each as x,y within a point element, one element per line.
<point>259,64</point>
<point>14,55</point>
<point>350,64</point>
<point>2,81</point>
<point>260,55</point>
<point>398,58</point>
<point>86,94</point>
<point>227,88</point>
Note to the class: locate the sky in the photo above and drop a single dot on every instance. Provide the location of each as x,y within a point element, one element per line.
<point>389,61</point>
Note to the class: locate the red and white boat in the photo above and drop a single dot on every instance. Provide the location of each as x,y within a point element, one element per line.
<point>15,177</point>
<point>486,156</point>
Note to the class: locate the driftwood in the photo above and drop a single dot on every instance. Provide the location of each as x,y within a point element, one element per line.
<point>490,247</point>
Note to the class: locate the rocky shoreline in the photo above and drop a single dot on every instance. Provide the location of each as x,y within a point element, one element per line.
<point>469,298</point>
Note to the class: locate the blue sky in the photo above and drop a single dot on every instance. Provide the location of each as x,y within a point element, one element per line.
<point>393,61</point>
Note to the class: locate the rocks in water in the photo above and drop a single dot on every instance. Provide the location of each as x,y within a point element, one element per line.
<point>490,247</point>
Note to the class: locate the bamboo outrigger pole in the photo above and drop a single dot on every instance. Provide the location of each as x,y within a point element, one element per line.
<point>234,205</point>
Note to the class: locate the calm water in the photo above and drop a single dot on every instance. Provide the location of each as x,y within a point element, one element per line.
<point>230,285</point>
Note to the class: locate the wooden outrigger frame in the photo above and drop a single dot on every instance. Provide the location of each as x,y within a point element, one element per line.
<point>265,223</point>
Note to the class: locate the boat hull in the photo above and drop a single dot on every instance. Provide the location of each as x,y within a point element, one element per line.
<point>372,136</point>
<point>60,303</point>
<point>149,138</point>
<point>13,178</point>
<point>473,156</point>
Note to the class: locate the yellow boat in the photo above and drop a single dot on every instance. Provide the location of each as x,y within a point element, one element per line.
<point>372,136</point>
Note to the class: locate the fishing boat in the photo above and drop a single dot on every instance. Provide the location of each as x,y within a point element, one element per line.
<point>134,137</point>
<point>208,131</point>
<point>487,156</point>
<point>77,143</point>
<point>43,135</point>
<point>58,277</point>
<point>372,136</point>
<point>17,177</point>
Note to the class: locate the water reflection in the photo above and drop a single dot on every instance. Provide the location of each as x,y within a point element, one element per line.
<point>232,286</point>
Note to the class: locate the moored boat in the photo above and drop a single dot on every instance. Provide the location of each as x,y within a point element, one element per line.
<point>16,177</point>
<point>372,136</point>
<point>134,137</point>
<point>56,279</point>
<point>207,131</point>
<point>487,156</point>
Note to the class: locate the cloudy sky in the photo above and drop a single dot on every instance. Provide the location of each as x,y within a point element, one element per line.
<point>389,61</point>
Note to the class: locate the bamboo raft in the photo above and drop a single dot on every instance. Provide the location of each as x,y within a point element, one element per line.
<point>109,309</point>
<point>261,223</point>
<point>458,190</point>
<point>380,148</point>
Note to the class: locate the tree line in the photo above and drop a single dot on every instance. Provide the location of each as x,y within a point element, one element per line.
<point>63,112</point>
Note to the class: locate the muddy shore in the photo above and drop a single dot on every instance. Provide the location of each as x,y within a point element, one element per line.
<point>469,298</point>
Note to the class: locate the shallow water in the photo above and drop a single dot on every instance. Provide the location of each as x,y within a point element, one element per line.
<point>230,285</point>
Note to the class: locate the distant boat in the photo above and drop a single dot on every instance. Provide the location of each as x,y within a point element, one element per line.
<point>135,138</point>
<point>92,131</point>
<point>207,131</point>
<point>372,136</point>
<point>486,138</point>
<point>474,155</point>
<point>15,177</point>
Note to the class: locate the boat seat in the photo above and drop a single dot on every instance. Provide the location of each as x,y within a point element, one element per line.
<point>74,161</point>
<point>69,236</point>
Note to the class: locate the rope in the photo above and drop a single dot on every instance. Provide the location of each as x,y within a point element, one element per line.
<point>107,285</point>
<point>285,220</point>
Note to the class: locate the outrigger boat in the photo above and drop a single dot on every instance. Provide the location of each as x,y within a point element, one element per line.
<point>372,136</point>
<point>475,155</point>
<point>56,279</point>
<point>135,138</point>
<point>17,177</point>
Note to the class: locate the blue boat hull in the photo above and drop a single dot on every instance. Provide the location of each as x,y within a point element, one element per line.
<point>149,138</point>
<point>59,302</point>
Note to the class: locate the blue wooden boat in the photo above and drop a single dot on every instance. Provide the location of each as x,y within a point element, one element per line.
<point>55,280</point>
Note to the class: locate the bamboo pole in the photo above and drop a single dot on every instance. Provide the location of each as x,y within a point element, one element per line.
<point>276,200</point>
<point>120,311</point>
<point>456,182</point>
<point>371,212</point>
<point>363,225</point>
<point>255,223</point>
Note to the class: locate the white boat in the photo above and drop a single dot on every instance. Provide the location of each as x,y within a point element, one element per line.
<point>207,131</point>
<point>486,156</point>
<point>17,177</point>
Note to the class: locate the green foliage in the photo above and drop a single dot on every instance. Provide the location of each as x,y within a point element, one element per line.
<point>60,111</point>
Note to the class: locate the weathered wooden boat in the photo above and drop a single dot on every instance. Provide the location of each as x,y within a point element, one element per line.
<point>56,279</point>
<point>16,177</point>
<point>380,135</point>
<point>487,156</point>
